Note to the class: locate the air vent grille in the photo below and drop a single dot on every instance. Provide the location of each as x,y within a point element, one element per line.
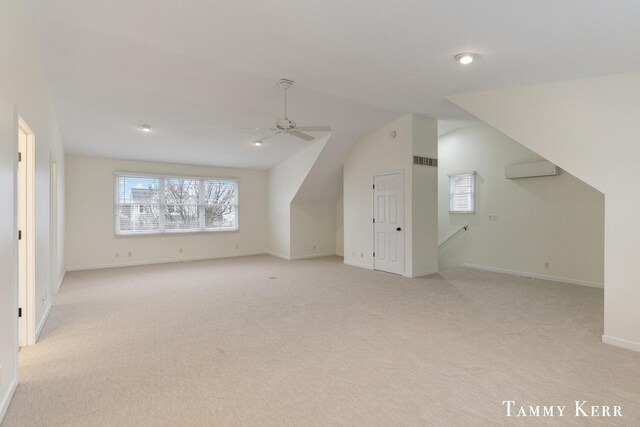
<point>425,161</point>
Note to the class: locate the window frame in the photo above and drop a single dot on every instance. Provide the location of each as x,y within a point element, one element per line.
<point>473,192</point>
<point>161,220</point>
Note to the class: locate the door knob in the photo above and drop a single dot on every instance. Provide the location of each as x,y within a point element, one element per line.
<point>399,229</point>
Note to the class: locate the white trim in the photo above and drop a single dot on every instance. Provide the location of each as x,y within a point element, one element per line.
<point>421,274</point>
<point>312,256</point>
<point>6,399</point>
<point>64,273</point>
<point>535,275</point>
<point>43,321</point>
<point>357,264</point>
<point>618,342</point>
<point>163,261</point>
<point>285,257</point>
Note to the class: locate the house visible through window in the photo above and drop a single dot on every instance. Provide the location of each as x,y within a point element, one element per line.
<point>150,204</point>
<point>462,189</point>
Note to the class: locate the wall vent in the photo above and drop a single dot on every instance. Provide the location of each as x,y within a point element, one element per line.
<point>425,161</point>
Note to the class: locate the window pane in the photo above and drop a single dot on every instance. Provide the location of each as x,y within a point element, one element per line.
<point>220,204</point>
<point>181,191</point>
<point>461,193</point>
<point>181,217</point>
<point>138,204</point>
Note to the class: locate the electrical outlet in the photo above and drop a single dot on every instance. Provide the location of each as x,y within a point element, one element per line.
<point>129,254</point>
<point>493,217</point>
<point>117,254</point>
<point>237,246</point>
<point>180,250</point>
<point>547,265</point>
<point>314,247</point>
<point>361,254</point>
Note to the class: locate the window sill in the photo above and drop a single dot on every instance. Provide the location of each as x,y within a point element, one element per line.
<point>174,233</point>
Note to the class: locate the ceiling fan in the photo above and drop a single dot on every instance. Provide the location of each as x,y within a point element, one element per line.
<point>287,126</point>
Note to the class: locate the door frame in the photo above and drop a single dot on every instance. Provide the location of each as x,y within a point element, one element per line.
<point>26,273</point>
<point>53,222</point>
<point>373,215</point>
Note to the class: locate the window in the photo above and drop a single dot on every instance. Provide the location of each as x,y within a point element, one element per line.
<point>462,189</point>
<point>162,204</point>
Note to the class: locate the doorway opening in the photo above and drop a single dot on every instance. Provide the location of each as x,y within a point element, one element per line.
<point>26,234</point>
<point>388,222</point>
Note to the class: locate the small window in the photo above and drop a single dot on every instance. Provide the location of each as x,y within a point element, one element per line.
<point>462,193</point>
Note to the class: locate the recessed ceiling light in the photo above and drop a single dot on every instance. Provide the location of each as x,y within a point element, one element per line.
<point>257,143</point>
<point>465,58</point>
<point>145,128</point>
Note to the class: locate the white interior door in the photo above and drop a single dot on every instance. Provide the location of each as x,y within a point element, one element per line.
<point>388,226</point>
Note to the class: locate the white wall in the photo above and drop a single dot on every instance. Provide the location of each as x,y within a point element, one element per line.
<point>284,181</point>
<point>377,152</point>
<point>91,241</point>
<point>556,219</point>
<point>313,230</point>
<point>425,198</point>
<point>340,227</point>
<point>590,128</point>
<point>23,91</point>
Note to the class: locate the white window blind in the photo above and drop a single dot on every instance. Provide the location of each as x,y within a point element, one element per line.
<point>148,205</point>
<point>462,188</point>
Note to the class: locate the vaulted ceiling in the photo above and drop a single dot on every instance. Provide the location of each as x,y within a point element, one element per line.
<point>200,70</point>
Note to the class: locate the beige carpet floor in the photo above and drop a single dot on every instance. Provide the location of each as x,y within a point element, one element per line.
<point>261,341</point>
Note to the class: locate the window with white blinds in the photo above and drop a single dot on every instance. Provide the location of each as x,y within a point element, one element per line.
<point>462,189</point>
<point>163,204</point>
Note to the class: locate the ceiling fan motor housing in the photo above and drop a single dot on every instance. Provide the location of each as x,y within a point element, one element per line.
<point>285,124</point>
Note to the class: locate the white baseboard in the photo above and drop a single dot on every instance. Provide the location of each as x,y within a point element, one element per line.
<point>163,261</point>
<point>64,273</point>
<point>285,257</point>
<point>6,399</point>
<point>311,256</point>
<point>357,264</point>
<point>535,275</point>
<point>618,342</point>
<point>421,274</point>
<point>43,320</point>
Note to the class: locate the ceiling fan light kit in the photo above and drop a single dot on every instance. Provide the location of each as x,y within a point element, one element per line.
<point>287,126</point>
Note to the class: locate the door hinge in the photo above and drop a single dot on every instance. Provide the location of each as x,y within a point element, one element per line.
<point>374,186</point>
<point>374,254</point>
<point>19,234</point>
<point>19,156</point>
<point>19,311</point>
<point>374,220</point>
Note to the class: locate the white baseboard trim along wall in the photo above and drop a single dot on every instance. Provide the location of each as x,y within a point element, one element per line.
<point>6,399</point>
<point>311,256</point>
<point>629,345</point>
<point>357,264</point>
<point>43,321</point>
<point>535,275</point>
<point>64,273</point>
<point>163,261</point>
<point>421,274</point>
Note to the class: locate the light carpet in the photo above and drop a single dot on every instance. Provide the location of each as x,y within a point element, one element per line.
<point>262,341</point>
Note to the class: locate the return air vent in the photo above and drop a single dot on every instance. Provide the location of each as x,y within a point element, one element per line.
<point>425,161</point>
<point>530,170</point>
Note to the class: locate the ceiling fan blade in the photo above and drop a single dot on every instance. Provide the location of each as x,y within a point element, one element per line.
<point>314,128</point>
<point>302,135</point>
<point>269,129</point>
<point>268,136</point>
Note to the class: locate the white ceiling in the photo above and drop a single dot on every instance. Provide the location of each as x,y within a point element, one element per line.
<point>198,70</point>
